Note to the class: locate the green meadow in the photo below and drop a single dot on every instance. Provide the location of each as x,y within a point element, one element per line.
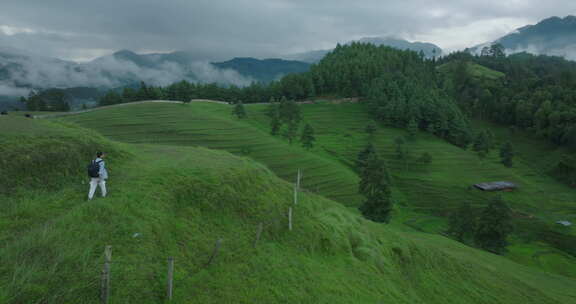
<point>184,176</point>
<point>426,195</point>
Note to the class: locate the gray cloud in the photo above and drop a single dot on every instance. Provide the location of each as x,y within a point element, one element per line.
<point>108,71</point>
<point>217,30</point>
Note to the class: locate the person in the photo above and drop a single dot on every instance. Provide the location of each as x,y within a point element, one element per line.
<point>102,177</point>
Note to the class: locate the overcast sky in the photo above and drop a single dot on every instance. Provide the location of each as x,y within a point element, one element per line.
<point>220,29</point>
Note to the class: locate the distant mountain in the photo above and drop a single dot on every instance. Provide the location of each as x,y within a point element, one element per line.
<point>21,72</point>
<point>263,70</point>
<point>429,49</point>
<point>553,36</point>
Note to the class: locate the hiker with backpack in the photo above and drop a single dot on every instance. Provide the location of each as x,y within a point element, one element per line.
<point>98,175</point>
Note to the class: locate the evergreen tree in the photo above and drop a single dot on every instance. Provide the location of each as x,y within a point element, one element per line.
<point>462,223</point>
<point>363,156</point>
<point>129,95</point>
<point>494,226</point>
<point>239,110</point>
<point>481,145</point>
<point>307,137</point>
<point>272,108</point>
<point>291,132</point>
<point>275,122</point>
<point>142,93</point>
<point>401,153</point>
<point>374,186</point>
<point>490,140</point>
<point>507,154</point>
<point>290,111</point>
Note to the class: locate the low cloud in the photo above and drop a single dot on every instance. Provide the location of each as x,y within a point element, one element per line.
<point>105,72</point>
<point>568,52</point>
<point>7,90</point>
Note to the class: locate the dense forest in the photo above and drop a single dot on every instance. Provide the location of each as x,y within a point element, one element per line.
<point>537,94</point>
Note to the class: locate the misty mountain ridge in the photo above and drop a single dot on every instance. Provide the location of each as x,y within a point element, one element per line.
<point>553,36</point>
<point>263,70</point>
<point>429,49</point>
<point>21,71</point>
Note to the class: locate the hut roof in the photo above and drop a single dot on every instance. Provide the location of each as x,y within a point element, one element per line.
<point>495,186</point>
<point>564,223</point>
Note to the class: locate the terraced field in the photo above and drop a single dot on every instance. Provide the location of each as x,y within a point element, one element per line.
<point>210,125</point>
<point>425,194</point>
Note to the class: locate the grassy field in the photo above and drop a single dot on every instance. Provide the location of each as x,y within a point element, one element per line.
<point>211,125</point>
<point>426,195</point>
<point>177,200</point>
<point>476,70</point>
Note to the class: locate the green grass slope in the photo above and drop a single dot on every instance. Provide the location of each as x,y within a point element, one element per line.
<point>211,125</point>
<point>177,201</point>
<point>475,70</point>
<point>426,195</point>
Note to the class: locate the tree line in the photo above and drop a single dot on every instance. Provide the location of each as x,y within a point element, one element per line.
<point>47,100</point>
<point>537,94</point>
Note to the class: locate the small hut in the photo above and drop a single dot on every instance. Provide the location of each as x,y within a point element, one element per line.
<point>496,186</point>
<point>564,223</point>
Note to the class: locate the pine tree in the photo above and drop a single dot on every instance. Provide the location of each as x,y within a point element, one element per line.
<point>239,110</point>
<point>480,142</point>
<point>290,111</point>
<point>462,223</point>
<point>494,226</point>
<point>291,132</point>
<point>490,140</point>
<point>363,157</point>
<point>307,137</point>
<point>272,108</point>
<point>481,145</point>
<point>374,186</point>
<point>275,124</point>
<point>507,154</point>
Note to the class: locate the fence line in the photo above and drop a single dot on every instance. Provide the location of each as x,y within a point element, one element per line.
<point>106,270</point>
<point>170,283</point>
<point>105,286</point>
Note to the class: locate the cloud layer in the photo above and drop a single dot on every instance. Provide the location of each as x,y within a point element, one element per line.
<point>218,30</point>
<point>107,72</point>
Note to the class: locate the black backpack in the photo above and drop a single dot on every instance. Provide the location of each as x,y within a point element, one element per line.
<point>94,169</point>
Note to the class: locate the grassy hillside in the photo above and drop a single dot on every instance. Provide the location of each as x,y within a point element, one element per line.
<point>178,200</point>
<point>45,154</point>
<point>211,125</point>
<point>475,70</point>
<point>426,195</point>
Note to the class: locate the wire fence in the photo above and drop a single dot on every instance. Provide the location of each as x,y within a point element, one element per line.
<point>150,268</point>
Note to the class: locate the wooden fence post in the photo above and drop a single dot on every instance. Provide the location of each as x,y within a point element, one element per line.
<point>290,218</point>
<point>297,188</point>
<point>299,178</point>
<point>215,252</point>
<point>105,279</point>
<point>170,283</point>
<point>258,233</point>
